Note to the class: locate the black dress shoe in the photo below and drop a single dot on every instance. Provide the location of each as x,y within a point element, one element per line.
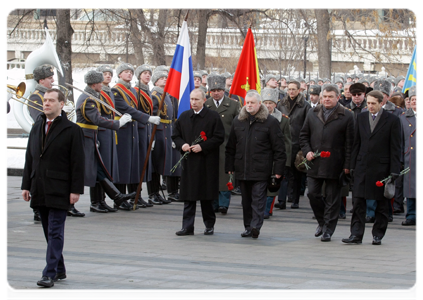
<point>59,276</point>
<point>295,205</point>
<point>153,200</point>
<point>352,240</point>
<point>236,191</point>
<point>319,231</point>
<point>325,237</point>
<point>390,218</point>
<point>280,205</point>
<point>139,205</point>
<point>96,207</point>
<point>370,219</point>
<point>107,207</point>
<point>184,231</point>
<point>143,202</point>
<point>266,217</point>
<point>208,231</point>
<point>74,212</point>
<point>255,233</point>
<point>45,281</point>
<point>173,197</point>
<point>408,222</point>
<point>223,210</point>
<point>377,240</point>
<point>124,206</point>
<point>398,211</point>
<point>161,199</point>
<point>246,233</point>
<point>342,216</point>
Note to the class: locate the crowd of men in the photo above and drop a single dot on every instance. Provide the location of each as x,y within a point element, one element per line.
<point>271,144</point>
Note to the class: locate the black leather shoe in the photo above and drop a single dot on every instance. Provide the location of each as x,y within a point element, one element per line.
<point>377,240</point>
<point>45,281</point>
<point>141,201</point>
<point>351,210</point>
<point>124,206</point>
<point>255,233</point>
<point>408,222</point>
<point>184,231</point>
<point>173,197</point>
<point>59,276</point>
<point>236,191</point>
<point>131,202</point>
<point>107,207</point>
<point>295,205</point>
<point>96,207</point>
<point>319,231</point>
<point>153,200</point>
<point>246,233</point>
<point>390,218</point>
<point>325,237</point>
<point>280,205</point>
<point>36,215</point>
<point>74,212</point>
<point>342,216</point>
<point>398,211</point>
<point>266,217</point>
<point>370,219</point>
<point>352,240</point>
<point>208,231</point>
<point>223,210</point>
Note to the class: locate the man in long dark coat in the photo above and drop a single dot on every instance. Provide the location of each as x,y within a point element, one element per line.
<point>328,127</point>
<point>200,169</point>
<point>376,155</point>
<point>53,177</point>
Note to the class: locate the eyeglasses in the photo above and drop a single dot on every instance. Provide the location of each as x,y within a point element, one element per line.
<point>357,95</point>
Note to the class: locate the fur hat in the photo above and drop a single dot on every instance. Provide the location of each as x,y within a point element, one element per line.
<point>161,68</point>
<point>338,79</point>
<point>412,91</point>
<point>268,77</point>
<point>315,89</point>
<point>42,72</point>
<point>93,76</point>
<point>216,82</point>
<point>398,79</point>
<point>204,72</point>
<point>105,68</point>
<point>198,74</point>
<point>357,88</point>
<point>383,85</point>
<point>123,67</point>
<point>227,75</point>
<point>141,69</point>
<point>269,94</point>
<point>157,75</point>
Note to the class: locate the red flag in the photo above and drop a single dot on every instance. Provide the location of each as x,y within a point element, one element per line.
<point>247,75</point>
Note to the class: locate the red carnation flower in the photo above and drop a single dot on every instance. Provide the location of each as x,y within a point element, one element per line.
<point>323,154</point>
<point>204,138</point>
<point>379,183</point>
<point>230,186</point>
<point>202,133</point>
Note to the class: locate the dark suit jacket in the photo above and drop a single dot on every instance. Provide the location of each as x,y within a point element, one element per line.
<point>54,168</point>
<point>375,154</point>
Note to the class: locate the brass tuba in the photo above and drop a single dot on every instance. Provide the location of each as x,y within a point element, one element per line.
<point>46,54</point>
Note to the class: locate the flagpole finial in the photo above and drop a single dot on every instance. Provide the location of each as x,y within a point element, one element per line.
<point>186,16</point>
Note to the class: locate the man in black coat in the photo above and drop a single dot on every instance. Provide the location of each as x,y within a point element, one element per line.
<point>200,169</point>
<point>53,177</point>
<point>376,155</point>
<point>328,127</point>
<point>255,150</point>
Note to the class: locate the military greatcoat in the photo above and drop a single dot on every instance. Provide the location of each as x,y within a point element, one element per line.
<point>409,125</point>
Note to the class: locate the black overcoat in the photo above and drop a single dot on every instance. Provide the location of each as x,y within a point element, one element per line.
<point>200,171</point>
<point>55,168</point>
<point>335,135</point>
<point>375,154</point>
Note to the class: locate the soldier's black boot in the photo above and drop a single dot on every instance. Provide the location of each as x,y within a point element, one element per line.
<point>95,199</point>
<point>102,197</point>
<point>113,193</point>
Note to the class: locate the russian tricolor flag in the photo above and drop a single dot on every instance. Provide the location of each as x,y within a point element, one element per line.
<point>180,80</point>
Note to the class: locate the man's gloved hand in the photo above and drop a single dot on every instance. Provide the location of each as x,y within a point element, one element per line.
<point>154,120</point>
<point>394,176</point>
<point>124,119</point>
<point>67,108</point>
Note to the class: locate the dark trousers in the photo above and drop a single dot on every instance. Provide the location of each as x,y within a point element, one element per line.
<point>53,221</point>
<point>254,196</point>
<point>209,217</point>
<point>172,184</point>
<point>294,184</point>
<point>358,218</point>
<point>325,209</point>
<point>399,194</point>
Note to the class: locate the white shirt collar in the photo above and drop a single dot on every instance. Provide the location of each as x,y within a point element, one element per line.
<point>198,111</point>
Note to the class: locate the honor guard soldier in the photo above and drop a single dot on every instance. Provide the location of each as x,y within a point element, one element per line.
<point>204,76</point>
<point>228,83</point>
<point>197,79</point>
<point>164,158</point>
<point>128,138</point>
<point>385,87</point>
<point>227,110</point>
<point>43,75</point>
<point>271,82</point>
<point>90,119</point>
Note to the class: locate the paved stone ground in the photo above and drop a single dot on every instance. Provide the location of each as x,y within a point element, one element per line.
<point>139,250</point>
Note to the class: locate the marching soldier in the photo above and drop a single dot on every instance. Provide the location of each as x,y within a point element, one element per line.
<point>128,137</point>
<point>164,155</point>
<point>227,110</point>
<point>90,119</point>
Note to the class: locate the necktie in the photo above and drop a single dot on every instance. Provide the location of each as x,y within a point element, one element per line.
<point>217,103</point>
<point>374,117</point>
<point>48,126</point>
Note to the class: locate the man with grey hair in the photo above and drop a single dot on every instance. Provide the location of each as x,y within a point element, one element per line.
<point>254,151</point>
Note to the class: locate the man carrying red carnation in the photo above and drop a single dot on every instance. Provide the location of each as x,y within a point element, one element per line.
<point>326,140</point>
<point>376,155</point>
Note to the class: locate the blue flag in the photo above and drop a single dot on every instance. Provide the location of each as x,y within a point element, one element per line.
<point>411,78</point>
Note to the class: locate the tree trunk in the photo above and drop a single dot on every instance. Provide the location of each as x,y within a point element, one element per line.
<point>158,42</point>
<point>324,54</point>
<point>136,39</point>
<point>64,33</point>
<point>202,36</point>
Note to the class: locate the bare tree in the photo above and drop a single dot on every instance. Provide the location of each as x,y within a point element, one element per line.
<point>323,39</point>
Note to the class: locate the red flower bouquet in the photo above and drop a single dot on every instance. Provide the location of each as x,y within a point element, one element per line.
<point>229,184</point>
<point>380,183</point>
<point>199,139</point>
<point>306,163</point>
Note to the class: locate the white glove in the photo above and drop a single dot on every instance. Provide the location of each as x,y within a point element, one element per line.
<point>124,119</point>
<point>154,120</point>
<point>67,109</point>
<point>152,145</point>
<point>173,145</point>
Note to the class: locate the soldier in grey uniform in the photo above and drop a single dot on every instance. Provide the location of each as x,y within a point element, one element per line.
<point>43,75</point>
<point>89,119</point>
<point>227,109</point>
